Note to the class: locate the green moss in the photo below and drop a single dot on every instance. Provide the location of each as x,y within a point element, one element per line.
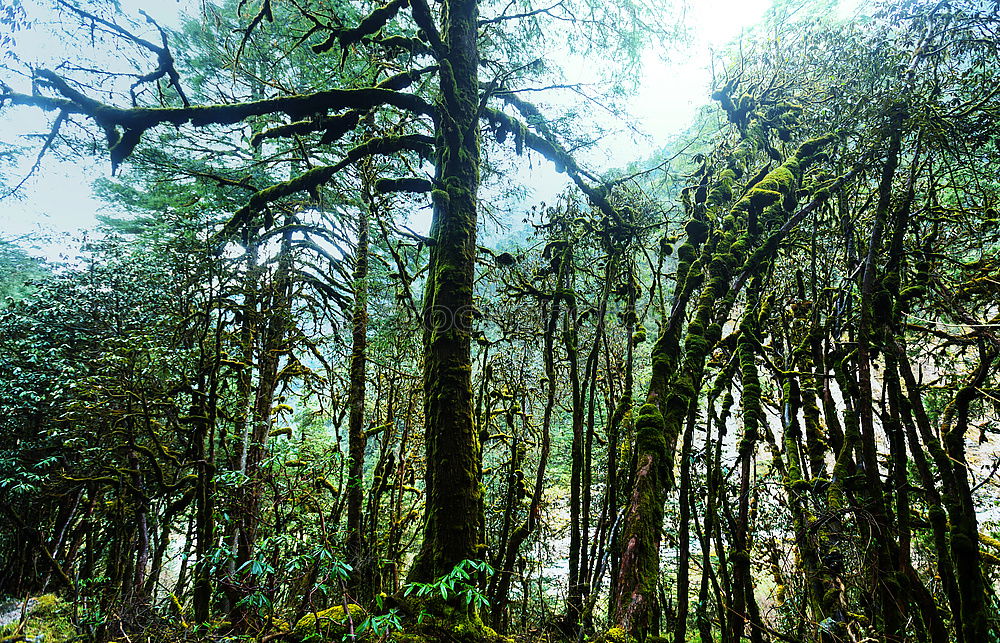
<point>722,191</point>
<point>330,623</point>
<point>430,621</point>
<point>649,431</point>
<point>49,620</point>
<point>440,198</point>
<point>616,635</point>
<point>685,253</point>
<point>760,198</point>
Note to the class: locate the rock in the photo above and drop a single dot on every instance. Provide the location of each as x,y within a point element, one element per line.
<point>328,624</point>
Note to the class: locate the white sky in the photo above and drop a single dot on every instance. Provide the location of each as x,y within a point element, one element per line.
<point>59,198</point>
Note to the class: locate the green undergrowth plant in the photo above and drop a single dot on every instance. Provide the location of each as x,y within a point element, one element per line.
<point>458,584</point>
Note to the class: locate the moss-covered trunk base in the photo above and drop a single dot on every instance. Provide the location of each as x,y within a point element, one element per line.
<point>432,621</point>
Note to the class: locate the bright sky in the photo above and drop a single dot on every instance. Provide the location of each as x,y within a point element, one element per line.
<point>59,200</point>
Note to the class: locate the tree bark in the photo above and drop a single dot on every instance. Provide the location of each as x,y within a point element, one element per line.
<point>453,513</point>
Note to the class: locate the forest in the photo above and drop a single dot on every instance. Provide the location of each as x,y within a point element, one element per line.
<point>329,372</point>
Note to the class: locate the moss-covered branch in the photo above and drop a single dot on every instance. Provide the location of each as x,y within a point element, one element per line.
<point>368,26</point>
<point>311,180</point>
<point>425,21</point>
<point>404,184</point>
<point>551,150</point>
<point>124,127</point>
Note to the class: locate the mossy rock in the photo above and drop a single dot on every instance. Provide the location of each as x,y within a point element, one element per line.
<point>615,635</point>
<point>275,624</point>
<point>328,624</point>
<point>48,620</point>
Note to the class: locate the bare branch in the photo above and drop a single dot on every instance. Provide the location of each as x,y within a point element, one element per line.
<point>405,184</point>
<point>164,59</point>
<point>60,119</point>
<point>526,14</point>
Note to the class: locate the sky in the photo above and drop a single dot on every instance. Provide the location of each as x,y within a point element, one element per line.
<point>57,204</point>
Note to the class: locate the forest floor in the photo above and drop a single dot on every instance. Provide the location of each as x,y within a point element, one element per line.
<point>45,618</point>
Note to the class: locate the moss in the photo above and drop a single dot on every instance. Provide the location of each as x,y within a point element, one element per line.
<point>329,623</point>
<point>430,621</point>
<point>760,198</point>
<point>49,620</point>
<point>616,635</point>
<point>649,432</point>
<point>685,253</point>
<point>739,557</point>
<point>440,198</point>
<point>321,481</point>
<point>780,179</point>
<point>278,624</point>
<point>751,399</point>
<point>723,190</point>
<point>989,558</point>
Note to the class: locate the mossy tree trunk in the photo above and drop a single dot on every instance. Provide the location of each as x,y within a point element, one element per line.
<point>204,411</point>
<point>357,557</point>
<point>714,263</point>
<point>273,321</point>
<point>577,386</point>
<point>744,606</point>
<point>454,499</point>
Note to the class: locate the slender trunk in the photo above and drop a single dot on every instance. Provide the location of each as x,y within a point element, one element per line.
<point>571,339</point>
<point>499,590</point>
<point>886,586</point>
<point>683,529</point>
<point>964,523</point>
<point>753,420</point>
<point>357,557</point>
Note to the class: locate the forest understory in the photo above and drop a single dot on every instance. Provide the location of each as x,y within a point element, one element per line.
<point>326,372</point>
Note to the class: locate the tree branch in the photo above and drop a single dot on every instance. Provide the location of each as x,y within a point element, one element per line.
<point>311,180</point>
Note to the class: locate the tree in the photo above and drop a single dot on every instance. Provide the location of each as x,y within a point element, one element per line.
<point>450,37</point>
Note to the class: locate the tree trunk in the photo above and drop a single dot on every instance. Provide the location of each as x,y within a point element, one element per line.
<point>357,557</point>
<point>453,513</point>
